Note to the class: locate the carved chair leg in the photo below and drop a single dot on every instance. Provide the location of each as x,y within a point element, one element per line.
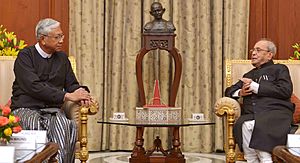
<point>230,153</point>
<point>84,153</point>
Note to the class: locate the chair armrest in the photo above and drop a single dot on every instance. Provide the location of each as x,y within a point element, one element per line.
<point>227,106</point>
<point>281,153</point>
<point>231,110</point>
<point>84,111</point>
<point>72,109</point>
<point>80,114</point>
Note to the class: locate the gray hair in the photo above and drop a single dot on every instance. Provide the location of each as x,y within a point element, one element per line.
<point>45,26</point>
<point>271,46</point>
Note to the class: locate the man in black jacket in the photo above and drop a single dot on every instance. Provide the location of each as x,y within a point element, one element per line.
<point>44,80</point>
<point>267,112</point>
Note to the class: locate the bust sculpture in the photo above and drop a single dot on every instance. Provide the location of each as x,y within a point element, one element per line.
<point>158,25</point>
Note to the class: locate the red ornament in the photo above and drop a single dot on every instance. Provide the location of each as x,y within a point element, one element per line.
<point>156,98</point>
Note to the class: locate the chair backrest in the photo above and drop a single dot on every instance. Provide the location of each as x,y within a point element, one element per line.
<point>7,76</point>
<point>236,68</point>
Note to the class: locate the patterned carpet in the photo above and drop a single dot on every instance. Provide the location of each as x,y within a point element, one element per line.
<point>123,157</point>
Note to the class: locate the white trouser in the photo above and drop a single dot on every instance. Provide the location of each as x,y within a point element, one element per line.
<point>250,154</point>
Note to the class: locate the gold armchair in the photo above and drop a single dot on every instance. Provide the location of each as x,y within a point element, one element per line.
<point>230,108</point>
<point>73,111</point>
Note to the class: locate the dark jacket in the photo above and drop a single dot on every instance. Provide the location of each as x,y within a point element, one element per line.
<point>271,107</point>
<point>42,82</point>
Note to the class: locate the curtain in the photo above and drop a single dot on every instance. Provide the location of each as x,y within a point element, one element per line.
<point>105,37</point>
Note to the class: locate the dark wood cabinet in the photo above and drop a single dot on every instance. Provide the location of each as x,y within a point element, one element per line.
<point>277,20</point>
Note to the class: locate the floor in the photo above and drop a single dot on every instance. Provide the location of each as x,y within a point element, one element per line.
<point>123,157</point>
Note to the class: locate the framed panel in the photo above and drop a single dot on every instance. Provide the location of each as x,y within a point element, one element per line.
<point>21,17</point>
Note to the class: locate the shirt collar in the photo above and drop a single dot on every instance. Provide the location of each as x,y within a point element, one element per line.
<point>270,62</point>
<point>41,51</point>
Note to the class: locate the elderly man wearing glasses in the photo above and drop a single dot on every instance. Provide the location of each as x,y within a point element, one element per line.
<point>267,112</point>
<point>44,80</point>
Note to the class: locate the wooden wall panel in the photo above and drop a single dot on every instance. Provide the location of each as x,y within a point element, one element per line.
<point>257,20</point>
<point>277,20</point>
<point>21,17</point>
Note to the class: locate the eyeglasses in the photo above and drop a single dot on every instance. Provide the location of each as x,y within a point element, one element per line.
<point>258,50</point>
<point>57,38</point>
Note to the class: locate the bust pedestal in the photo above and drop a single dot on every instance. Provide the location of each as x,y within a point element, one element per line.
<point>162,41</point>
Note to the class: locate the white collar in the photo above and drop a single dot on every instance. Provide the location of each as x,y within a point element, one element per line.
<point>41,51</point>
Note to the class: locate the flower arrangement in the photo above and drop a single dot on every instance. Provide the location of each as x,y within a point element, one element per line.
<point>9,123</point>
<point>296,55</point>
<point>9,45</point>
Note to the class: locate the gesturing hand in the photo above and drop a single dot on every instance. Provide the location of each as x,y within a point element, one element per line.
<point>245,91</point>
<point>246,80</point>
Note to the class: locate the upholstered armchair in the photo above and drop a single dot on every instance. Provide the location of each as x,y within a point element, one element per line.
<point>72,110</point>
<point>230,109</point>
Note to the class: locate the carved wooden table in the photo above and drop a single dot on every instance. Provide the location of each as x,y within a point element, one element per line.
<point>282,154</point>
<point>173,155</point>
<point>46,152</point>
<point>155,40</point>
